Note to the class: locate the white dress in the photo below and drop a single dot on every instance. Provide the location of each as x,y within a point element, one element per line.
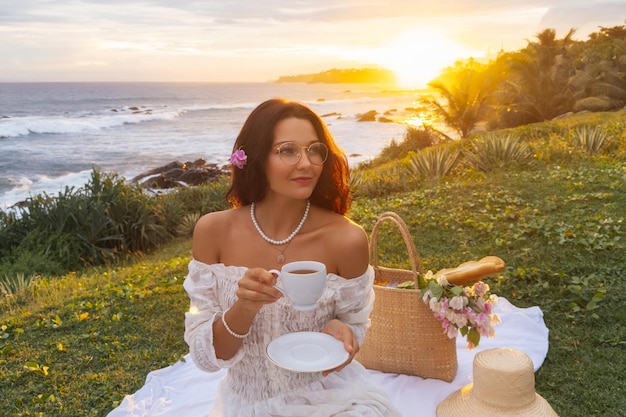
<point>253,385</point>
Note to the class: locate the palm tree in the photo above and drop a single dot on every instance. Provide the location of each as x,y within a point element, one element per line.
<point>462,97</point>
<point>537,86</point>
<point>601,71</point>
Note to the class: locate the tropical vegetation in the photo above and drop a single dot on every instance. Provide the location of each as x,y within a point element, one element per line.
<point>548,78</point>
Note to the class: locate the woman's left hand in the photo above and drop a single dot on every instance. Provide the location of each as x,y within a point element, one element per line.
<point>341,331</point>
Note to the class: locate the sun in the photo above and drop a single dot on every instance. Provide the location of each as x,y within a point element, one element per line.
<point>418,55</point>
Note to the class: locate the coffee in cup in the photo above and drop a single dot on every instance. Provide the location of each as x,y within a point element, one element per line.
<point>302,282</point>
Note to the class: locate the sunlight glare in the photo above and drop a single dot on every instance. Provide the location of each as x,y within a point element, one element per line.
<point>415,121</point>
<point>417,56</point>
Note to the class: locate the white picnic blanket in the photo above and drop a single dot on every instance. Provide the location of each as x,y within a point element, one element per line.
<point>183,390</point>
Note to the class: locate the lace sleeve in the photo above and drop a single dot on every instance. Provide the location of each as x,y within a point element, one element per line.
<point>354,300</point>
<point>207,301</point>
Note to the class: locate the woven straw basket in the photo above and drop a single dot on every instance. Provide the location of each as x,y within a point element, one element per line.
<point>405,337</point>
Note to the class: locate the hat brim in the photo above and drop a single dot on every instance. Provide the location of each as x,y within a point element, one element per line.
<point>463,403</point>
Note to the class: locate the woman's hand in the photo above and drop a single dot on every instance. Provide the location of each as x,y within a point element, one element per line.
<point>256,288</point>
<point>341,331</point>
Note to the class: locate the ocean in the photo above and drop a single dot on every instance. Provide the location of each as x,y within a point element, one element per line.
<point>52,135</point>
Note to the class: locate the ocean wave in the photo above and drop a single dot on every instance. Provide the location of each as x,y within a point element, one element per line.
<point>13,127</point>
<point>24,187</point>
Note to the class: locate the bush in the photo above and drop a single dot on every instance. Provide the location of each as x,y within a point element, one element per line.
<point>89,226</point>
<point>379,181</point>
<point>415,139</point>
<point>590,138</point>
<point>494,151</point>
<point>10,286</point>
<point>436,162</point>
<point>202,199</point>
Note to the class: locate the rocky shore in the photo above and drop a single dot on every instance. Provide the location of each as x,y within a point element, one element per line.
<point>180,174</point>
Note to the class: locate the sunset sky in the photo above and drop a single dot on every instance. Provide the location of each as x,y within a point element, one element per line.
<point>260,40</point>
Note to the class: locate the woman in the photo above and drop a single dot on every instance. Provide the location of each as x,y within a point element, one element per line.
<point>289,195</point>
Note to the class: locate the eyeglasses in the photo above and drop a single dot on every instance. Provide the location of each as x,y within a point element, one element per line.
<point>290,153</point>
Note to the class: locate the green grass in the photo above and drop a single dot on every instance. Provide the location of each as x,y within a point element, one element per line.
<point>75,345</point>
<point>96,335</point>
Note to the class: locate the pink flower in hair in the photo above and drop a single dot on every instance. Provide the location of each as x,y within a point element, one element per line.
<point>239,158</point>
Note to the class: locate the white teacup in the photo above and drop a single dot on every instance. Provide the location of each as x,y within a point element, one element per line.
<point>302,282</point>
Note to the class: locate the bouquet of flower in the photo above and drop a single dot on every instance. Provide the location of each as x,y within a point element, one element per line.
<point>467,309</point>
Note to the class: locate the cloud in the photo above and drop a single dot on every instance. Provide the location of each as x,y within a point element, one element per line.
<point>257,40</point>
<point>585,17</point>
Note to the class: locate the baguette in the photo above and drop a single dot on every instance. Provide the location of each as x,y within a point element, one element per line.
<point>473,270</point>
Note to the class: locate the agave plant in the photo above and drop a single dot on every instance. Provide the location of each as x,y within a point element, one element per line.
<point>187,224</point>
<point>496,151</point>
<point>591,139</point>
<point>12,285</point>
<point>436,161</point>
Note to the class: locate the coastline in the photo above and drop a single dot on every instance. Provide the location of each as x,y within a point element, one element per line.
<point>56,133</point>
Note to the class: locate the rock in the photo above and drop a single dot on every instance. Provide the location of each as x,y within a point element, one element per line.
<point>159,170</point>
<point>385,120</point>
<point>369,116</point>
<point>198,177</point>
<point>160,182</point>
<point>177,174</point>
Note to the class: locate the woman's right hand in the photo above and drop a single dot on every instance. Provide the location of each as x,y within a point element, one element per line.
<point>256,288</point>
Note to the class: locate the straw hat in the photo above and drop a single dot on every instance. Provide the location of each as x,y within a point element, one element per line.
<point>504,386</point>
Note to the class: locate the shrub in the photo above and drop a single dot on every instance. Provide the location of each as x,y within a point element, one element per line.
<point>591,139</point>
<point>105,219</point>
<point>494,151</point>
<point>415,139</point>
<point>202,199</point>
<point>379,181</point>
<point>187,224</point>
<point>435,162</point>
<point>12,285</point>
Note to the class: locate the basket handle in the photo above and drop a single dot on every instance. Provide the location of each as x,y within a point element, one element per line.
<point>416,264</point>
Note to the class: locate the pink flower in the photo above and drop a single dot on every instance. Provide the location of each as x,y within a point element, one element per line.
<point>480,288</point>
<point>239,158</point>
<point>452,332</point>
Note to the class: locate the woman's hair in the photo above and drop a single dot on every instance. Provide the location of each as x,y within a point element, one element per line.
<point>256,138</point>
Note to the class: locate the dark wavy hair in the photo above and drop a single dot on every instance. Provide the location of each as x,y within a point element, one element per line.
<point>256,137</point>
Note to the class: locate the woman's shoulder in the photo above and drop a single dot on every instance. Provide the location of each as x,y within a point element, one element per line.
<point>215,218</point>
<point>344,229</point>
<point>220,221</point>
<point>211,230</point>
<point>346,242</point>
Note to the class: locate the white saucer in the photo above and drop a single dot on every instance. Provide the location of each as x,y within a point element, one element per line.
<point>307,352</point>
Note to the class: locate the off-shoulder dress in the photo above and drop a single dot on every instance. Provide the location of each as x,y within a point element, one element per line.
<point>254,385</point>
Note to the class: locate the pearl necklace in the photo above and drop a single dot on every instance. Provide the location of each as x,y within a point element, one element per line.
<point>290,237</point>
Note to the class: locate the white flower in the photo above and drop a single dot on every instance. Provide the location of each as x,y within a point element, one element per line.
<point>441,280</point>
<point>458,302</point>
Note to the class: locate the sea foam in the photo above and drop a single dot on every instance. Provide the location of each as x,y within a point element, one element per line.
<point>11,127</point>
